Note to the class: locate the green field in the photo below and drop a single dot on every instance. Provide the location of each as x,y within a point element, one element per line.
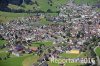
<point>82,55</point>
<point>42,5</point>
<point>89,2</point>
<point>3,54</point>
<point>15,61</point>
<point>69,55</point>
<point>97,51</point>
<point>27,61</point>
<point>7,16</point>
<point>2,42</point>
<point>67,64</point>
<point>46,43</point>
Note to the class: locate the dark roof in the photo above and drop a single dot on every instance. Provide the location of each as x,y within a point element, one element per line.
<point>19,47</point>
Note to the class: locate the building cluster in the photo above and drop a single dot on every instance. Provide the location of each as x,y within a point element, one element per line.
<point>83,23</point>
<point>79,24</point>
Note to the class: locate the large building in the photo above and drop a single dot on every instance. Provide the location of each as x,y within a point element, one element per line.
<point>73,51</point>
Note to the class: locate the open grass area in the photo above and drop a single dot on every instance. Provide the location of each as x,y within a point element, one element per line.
<point>46,43</point>
<point>98,9</point>
<point>67,64</point>
<point>2,42</point>
<point>15,61</point>
<point>25,60</point>
<point>30,60</point>
<point>97,50</point>
<point>42,5</point>
<point>7,16</point>
<point>53,64</point>
<point>3,54</point>
<point>89,2</point>
<point>69,55</point>
<point>81,55</point>
<point>44,22</point>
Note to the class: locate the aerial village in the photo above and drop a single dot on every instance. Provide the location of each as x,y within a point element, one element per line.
<point>71,32</point>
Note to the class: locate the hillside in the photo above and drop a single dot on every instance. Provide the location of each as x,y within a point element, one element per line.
<point>42,5</point>
<point>25,6</point>
<point>89,2</point>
